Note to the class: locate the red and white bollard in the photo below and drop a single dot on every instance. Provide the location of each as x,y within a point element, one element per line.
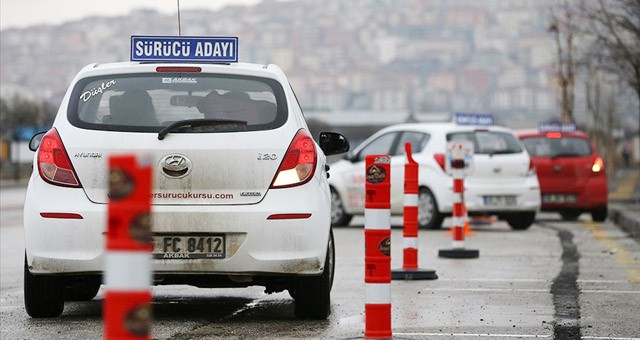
<point>127,301</point>
<point>410,270</point>
<point>377,239</point>
<point>458,219</point>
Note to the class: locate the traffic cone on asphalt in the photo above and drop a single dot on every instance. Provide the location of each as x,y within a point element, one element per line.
<point>467,228</point>
<point>410,270</point>
<point>377,239</point>
<point>127,301</point>
<point>458,251</point>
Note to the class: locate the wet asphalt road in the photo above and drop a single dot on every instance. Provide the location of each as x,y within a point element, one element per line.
<point>558,279</point>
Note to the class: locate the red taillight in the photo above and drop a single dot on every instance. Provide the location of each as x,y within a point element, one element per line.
<point>299,162</point>
<point>598,165</point>
<point>439,157</point>
<point>178,69</point>
<point>554,135</point>
<point>54,165</point>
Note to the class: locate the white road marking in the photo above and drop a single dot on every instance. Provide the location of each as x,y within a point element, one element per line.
<point>539,336</point>
<point>487,290</point>
<point>526,280</point>
<point>608,338</point>
<point>488,335</point>
<point>527,290</point>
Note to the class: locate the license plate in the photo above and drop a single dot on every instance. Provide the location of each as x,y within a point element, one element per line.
<point>499,201</point>
<point>189,247</point>
<point>558,198</point>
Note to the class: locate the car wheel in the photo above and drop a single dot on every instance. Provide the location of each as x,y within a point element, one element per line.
<point>339,216</point>
<point>599,214</point>
<point>429,217</point>
<point>83,290</point>
<point>570,215</point>
<point>313,294</point>
<point>43,295</point>
<point>521,221</point>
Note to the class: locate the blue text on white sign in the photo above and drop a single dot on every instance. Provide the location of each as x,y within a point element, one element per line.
<point>474,119</point>
<point>557,127</point>
<point>184,49</point>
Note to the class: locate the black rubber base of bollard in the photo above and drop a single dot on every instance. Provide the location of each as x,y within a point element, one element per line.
<point>413,274</point>
<point>459,253</point>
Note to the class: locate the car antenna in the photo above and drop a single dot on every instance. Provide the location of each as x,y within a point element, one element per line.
<point>179,30</point>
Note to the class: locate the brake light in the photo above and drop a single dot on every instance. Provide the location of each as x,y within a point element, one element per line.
<point>178,69</point>
<point>54,165</point>
<point>439,157</point>
<point>299,162</point>
<point>554,135</point>
<point>598,165</point>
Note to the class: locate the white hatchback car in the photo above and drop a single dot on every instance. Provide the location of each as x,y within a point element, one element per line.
<point>502,181</point>
<point>234,159</point>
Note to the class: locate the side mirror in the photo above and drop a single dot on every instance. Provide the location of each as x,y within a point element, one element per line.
<point>333,143</point>
<point>34,143</point>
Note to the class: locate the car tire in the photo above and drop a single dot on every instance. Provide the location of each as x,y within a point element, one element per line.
<point>43,295</point>
<point>521,221</point>
<point>84,290</point>
<point>570,215</point>
<point>429,217</point>
<point>599,214</point>
<point>313,294</point>
<point>339,216</point>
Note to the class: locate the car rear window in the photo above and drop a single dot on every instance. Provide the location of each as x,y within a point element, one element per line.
<point>541,146</point>
<point>149,102</point>
<point>488,142</point>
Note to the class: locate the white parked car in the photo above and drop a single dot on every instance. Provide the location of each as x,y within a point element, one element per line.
<point>234,164</point>
<point>502,181</point>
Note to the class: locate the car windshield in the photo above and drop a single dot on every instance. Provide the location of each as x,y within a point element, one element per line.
<point>488,142</point>
<point>151,102</point>
<point>541,146</point>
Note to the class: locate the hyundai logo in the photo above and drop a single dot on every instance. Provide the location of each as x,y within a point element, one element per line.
<point>175,165</point>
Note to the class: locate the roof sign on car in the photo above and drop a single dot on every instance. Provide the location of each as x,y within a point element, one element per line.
<point>556,127</point>
<point>484,119</point>
<point>184,49</point>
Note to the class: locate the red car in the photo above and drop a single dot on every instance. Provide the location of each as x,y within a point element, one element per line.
<point>571,174</point>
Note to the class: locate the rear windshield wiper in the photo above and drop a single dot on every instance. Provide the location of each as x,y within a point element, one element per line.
<point>194,123</point>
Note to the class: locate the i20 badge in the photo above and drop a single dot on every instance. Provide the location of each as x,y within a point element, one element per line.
<point>175,165</point>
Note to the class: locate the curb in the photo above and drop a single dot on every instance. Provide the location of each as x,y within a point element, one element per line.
<point>625,221</point>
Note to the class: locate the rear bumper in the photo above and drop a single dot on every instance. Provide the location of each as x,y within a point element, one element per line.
<point>526,192</point>
<point>254,244</point>
<point>590,194</point>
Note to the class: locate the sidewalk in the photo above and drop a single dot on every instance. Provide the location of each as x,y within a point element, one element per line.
<point>624,201</point>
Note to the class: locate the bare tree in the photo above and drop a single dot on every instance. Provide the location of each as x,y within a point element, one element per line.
<point>614,27</point>
<point>593,96</point>
<point>563,28</point>
<point>610,156</point>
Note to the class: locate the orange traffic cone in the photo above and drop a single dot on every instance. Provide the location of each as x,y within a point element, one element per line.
<point>467,228</point>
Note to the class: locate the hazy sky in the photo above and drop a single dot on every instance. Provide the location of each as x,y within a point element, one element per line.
<point>22,13</point>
